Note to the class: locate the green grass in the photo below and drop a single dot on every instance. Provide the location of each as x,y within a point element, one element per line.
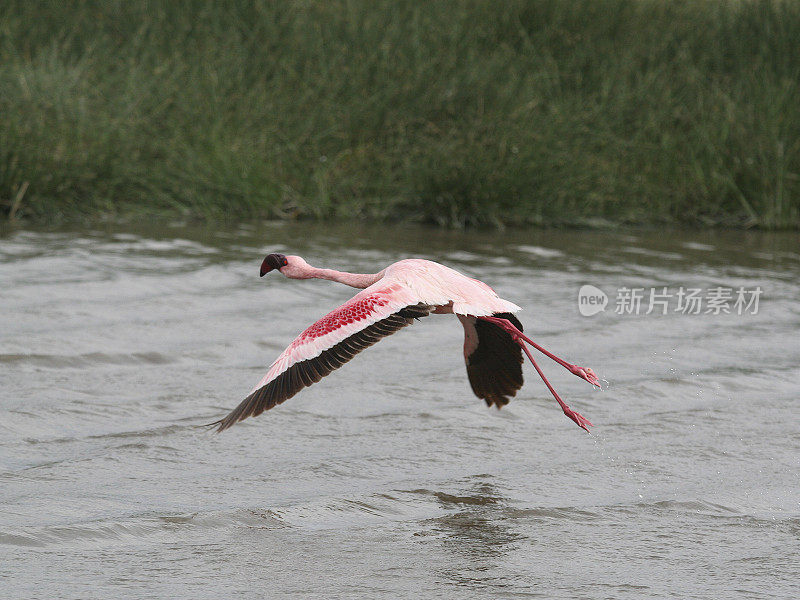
<point>456,113</point>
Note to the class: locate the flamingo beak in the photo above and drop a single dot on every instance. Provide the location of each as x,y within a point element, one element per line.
<point>265,268</point>
<point>272,261</point>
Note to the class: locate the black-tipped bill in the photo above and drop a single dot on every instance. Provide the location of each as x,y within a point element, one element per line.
<point>273,261</point>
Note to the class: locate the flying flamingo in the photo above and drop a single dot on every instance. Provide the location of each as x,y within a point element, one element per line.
<point>390,300</point>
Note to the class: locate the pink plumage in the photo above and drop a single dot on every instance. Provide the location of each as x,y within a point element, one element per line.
<point>390,300</point>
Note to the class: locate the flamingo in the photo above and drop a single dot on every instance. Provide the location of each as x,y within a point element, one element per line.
<point>388,301</point>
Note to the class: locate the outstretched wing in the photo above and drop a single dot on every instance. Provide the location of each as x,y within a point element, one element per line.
<point>494,360</point>
<point>370,315</point>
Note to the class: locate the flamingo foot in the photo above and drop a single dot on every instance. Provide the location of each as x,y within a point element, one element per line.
<point>586,374</point>
<point>578,418</point>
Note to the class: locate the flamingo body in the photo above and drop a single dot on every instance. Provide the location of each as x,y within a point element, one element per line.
<point>390,300</point>
<point>405,283</point>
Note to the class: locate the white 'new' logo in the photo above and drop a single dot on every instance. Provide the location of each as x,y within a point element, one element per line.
<point>591,300</point>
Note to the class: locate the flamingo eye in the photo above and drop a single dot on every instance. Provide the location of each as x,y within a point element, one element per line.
<point>284,262</point>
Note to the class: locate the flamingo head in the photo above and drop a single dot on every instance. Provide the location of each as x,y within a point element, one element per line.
<point>273,261</point>
<point>293,267</point>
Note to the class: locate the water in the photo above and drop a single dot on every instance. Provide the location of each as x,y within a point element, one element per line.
<point>389,479</point>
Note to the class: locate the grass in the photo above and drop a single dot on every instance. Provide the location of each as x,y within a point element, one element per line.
<point>546,112</point>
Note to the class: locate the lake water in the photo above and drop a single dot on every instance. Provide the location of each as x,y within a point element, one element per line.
<point>389,478</point>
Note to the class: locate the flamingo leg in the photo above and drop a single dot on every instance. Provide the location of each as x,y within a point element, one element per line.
<point>574,415</point>
<point>586,374</point>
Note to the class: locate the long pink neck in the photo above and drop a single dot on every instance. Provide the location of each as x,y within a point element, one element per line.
<point>356,280</point>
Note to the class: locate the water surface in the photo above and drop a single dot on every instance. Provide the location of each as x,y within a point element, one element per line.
<point>390,479</point>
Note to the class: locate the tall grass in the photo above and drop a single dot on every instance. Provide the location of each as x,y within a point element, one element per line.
<point>456,113</point>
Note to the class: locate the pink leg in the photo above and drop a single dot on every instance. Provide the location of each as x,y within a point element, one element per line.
<point>575,416</point>
<point>584,373</point>
<point>517,336</point>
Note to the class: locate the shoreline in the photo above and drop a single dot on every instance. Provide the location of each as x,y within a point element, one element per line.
<point>556,113</point>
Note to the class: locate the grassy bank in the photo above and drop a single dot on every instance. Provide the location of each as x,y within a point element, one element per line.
<point>462,113</point>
